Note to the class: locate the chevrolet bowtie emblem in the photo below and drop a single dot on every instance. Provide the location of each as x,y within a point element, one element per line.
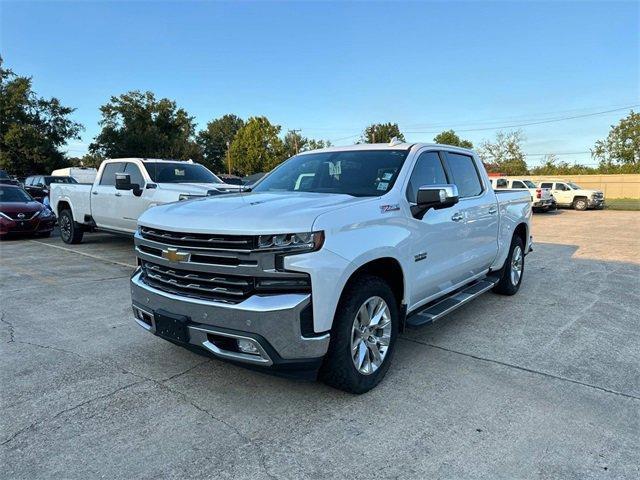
<point>173,255</point>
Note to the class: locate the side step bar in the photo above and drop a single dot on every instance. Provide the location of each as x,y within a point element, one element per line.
<point>439,308</point>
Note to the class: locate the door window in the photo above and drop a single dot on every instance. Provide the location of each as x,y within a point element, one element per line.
<point>465,175</point>
<point>561,186</point>
<point>518,184</point>
<point>109,173</point>
<point>501,183</point>
<point>427,171</point>
<point>546,185</point>
<point>135,174</point>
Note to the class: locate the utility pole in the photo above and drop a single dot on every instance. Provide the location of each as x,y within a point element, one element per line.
<point>228,157</point>
<point>295,138</point>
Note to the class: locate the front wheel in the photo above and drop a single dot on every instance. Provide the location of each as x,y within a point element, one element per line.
<point>70,231</point>
<point>511,275</point>
<point>580,204</point>
<point>363,336</point>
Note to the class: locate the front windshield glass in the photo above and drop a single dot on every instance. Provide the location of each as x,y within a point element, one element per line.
<point>574,186</point>
<point>529,184</point>
<point>12,194</point>
<point>50,180</point>
<point>178,172</point>
<point>360,173</point>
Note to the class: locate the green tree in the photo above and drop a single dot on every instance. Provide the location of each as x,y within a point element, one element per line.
<point>381,133</point>
<point>135,124</point>
<point>87,160</point>
<point>449,137</point>
<point>552,166</point>
<point>295,143</point>
<point>32,128</point>
<point>620,151</point>
<point>316,144</point>
<point>505,154</point>
<point>256,147</point>
<point>215,139</point>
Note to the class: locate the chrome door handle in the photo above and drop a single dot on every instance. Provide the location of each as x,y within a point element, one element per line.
<point>118,194</point>
<point>94,193</point>
<point>493,210</point>
<point>457,217</point>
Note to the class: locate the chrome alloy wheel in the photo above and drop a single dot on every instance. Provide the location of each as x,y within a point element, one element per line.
<point>517,262</point>
<point>370,335</point>
<point>65,227</point>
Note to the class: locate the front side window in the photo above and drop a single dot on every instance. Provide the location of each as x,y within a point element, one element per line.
<point>530,184</point>
<point>501,183</point>
<point>546,185</point>
<point>179,172</point>
<point>465,175</point>
<point>360,173</point>
<point>109,173</point>
<point>427,171</point>
<point>518,184</point>
<point>561,186</point>
<point>574,186</point>
<point>135,174</point>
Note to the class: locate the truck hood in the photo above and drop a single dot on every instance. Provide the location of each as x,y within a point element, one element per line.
<point>246,213</point>
<point>198,188</point>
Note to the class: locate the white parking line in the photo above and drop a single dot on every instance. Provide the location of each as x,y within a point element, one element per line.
<point>128,265</point>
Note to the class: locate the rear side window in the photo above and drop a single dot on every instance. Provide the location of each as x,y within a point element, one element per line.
<point>465,175</point>
<point>135,174</point>
<point>427,171</point>
<point>518,184</point>
<point>546,185</point>
<point>109,173</point>
<point>501,183</point>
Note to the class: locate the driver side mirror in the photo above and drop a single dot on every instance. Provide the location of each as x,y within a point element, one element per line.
<point>436,197</point>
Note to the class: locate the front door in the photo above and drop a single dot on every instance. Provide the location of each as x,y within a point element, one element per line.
<point>437,235</point>
<point>104,207</point>
<point>562,193</point>
<point>131,205</point>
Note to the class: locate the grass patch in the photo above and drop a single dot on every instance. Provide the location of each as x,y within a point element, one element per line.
<point>622,204</point>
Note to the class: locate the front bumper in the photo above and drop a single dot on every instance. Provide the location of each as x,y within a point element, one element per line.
<point>543,204</point>
<point>272,323</point>
<point>30,226</point>
<point>596,202</point>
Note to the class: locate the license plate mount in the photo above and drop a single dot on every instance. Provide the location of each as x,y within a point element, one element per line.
<point>172,327</point>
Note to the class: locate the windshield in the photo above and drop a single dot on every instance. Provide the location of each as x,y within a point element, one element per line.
<point>179,172</point>
<point>529,184</point>
<point>4,174</point>
<point>50,180</point>
<point>360,173</point>
<point>574,186</point>
<point>12,194</point>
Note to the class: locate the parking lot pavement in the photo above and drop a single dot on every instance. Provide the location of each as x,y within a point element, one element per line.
<point>545,384</point>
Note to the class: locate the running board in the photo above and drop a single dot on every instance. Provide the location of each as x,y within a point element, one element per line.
<point>441,307</point>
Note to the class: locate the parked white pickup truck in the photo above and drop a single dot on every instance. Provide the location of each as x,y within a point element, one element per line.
<point>541,198</point>
<point>126,187</point>
<point>319,267</point>
<point>568,194</point>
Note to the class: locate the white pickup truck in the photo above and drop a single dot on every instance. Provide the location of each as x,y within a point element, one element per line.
<point>318,268</point>
<point>126,187</point>
<point>541,198</point>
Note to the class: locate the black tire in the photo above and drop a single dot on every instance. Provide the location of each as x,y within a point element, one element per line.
<point>339,369</point>
<point>506,285</point>
<point>580,204</point>
<point>70,231</point>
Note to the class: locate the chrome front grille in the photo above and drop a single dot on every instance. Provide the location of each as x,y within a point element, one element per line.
<point>25,215</point>
<point>200,240</point>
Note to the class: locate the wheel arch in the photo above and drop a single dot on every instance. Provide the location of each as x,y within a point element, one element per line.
<point>522,231</point>
<point>386,268</point>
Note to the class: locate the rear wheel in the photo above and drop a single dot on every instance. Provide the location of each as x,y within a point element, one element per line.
<point>580,204</point>
<point>70,231</point>
<point>363,336</point>
<point>511,275</point>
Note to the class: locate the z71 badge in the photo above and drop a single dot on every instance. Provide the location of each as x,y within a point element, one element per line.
<point>389,208</point>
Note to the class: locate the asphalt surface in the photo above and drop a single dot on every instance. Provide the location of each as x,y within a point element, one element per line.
<point>545,384</point>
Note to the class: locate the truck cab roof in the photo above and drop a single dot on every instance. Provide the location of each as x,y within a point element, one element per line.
<point>388,146</point>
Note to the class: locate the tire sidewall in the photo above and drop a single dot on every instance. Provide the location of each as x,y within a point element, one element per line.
<point>66,214</point>
<point>355,295</point>
<point>578,202</point>
<point>505,286</point>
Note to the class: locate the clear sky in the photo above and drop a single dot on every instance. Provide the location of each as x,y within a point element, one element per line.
<point>332,68</point>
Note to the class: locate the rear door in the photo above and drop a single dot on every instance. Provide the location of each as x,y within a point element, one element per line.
<point>477,246</point>
<point>104,207</point>
<point>562,193</point>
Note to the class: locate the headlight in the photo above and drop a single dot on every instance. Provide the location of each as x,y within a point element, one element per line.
<point>307,241</point>
<point>45,213</point>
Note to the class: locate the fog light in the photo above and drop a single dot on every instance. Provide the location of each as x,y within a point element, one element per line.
<point>248,346</point>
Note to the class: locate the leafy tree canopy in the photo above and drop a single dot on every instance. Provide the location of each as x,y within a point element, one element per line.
<point>620,151</point>
<point>381,133</point>
<point>504,155</point>
<point>136,124</point>
<point>449,137</point>
<point>295,143</point>
<point>216,138</point>
<point>256,147</point>
<point>552,166</point>
<point>32,128</point>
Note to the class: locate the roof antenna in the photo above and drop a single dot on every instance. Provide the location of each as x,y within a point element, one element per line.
<point>394,141</point>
